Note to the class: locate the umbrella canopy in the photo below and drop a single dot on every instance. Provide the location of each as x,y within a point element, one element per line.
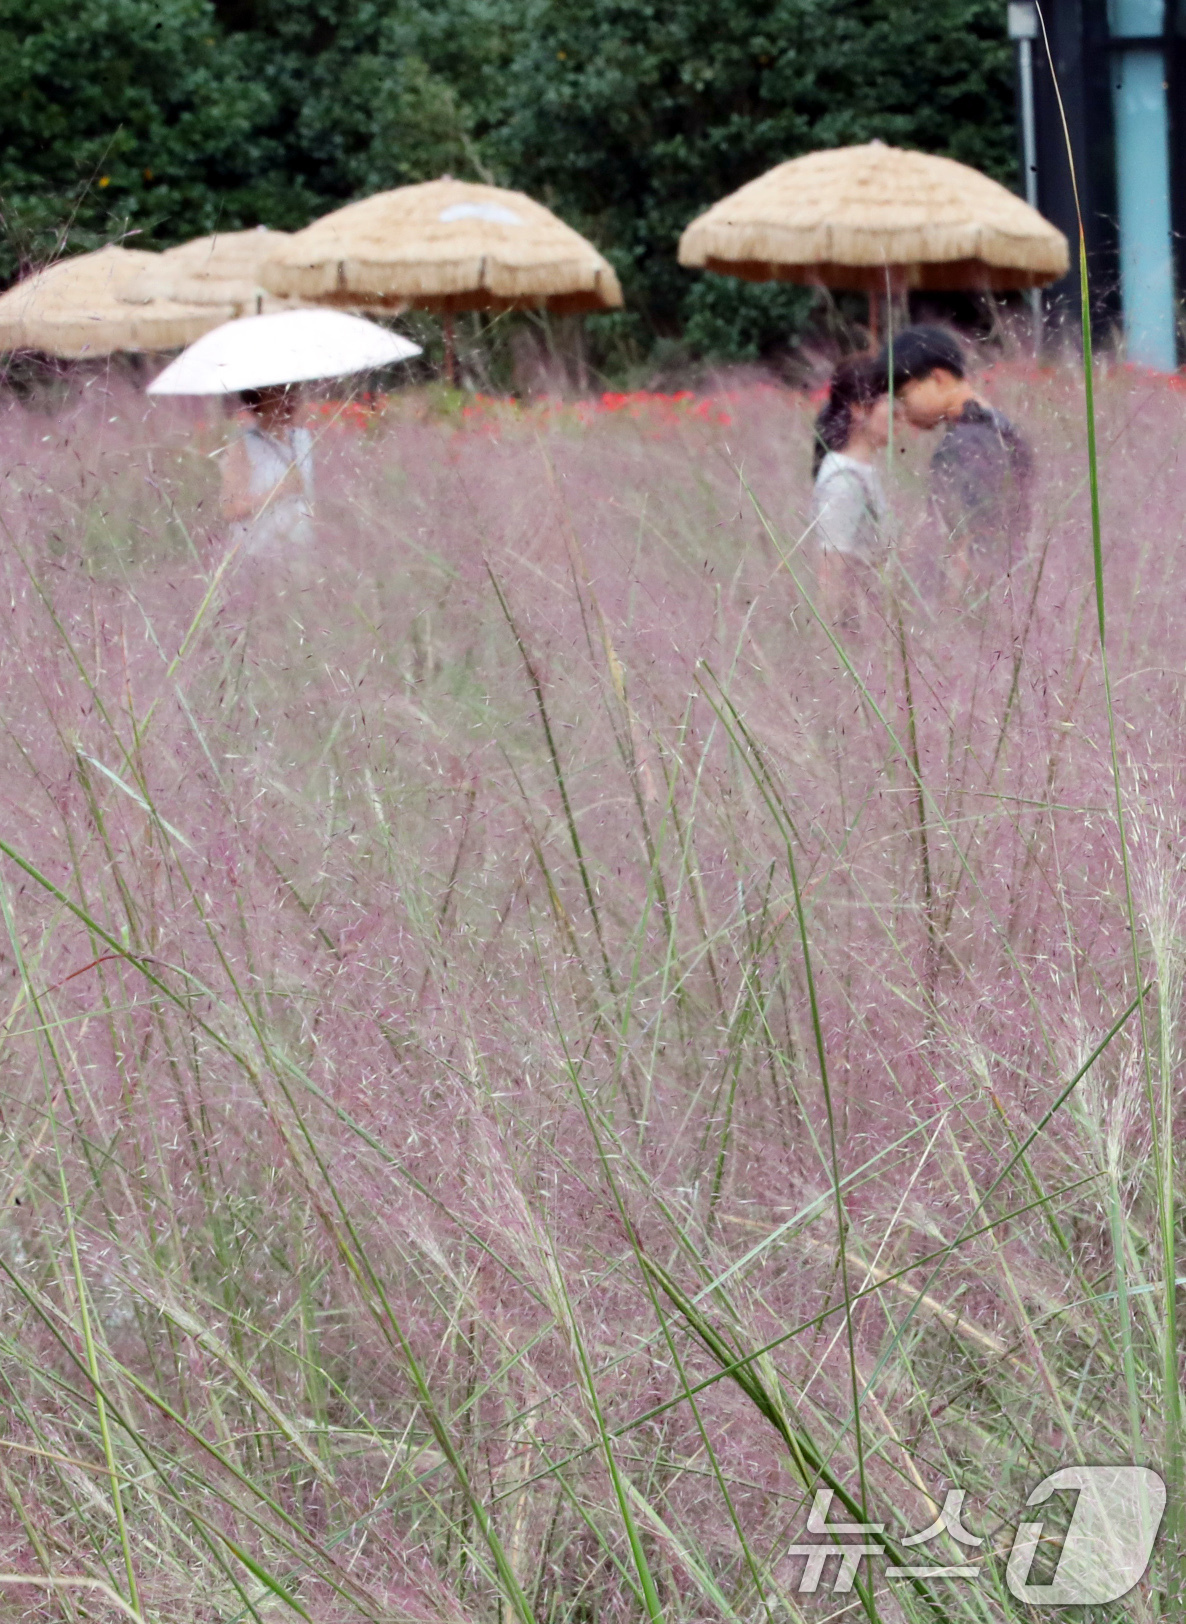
<point>445,245</point>
<point>290,346</point>
<point>220,270</point>
<point>841,218</point>
<point>76,308</point>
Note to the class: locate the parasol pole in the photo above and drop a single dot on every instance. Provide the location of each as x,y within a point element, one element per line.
<point>450,352</point>
<point>889,339</point>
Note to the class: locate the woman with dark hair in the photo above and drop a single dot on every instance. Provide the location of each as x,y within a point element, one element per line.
<point>852,427</point>
<point>267,474</point>
<point>849,507</point>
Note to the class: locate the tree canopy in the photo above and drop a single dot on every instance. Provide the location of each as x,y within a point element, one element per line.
<point>153,121</point>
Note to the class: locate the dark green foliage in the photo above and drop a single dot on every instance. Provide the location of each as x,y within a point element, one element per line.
<point>123,117</point>
<point>634,116</point>
<point>151,121</point>
<point>730,320</point>
<point>353,100</point>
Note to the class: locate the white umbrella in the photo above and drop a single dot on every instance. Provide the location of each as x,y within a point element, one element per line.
<point>290,346</point>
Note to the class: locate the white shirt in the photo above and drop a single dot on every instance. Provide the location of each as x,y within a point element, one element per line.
<point>849,507</point>
<point>286,518</point>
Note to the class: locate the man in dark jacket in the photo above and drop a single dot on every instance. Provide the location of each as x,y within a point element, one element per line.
<point>982,471</point>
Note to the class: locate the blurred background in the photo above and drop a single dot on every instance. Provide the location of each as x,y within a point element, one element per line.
<point>151,122</point>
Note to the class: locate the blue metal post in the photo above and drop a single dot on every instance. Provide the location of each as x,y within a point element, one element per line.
<point>1143,185</point>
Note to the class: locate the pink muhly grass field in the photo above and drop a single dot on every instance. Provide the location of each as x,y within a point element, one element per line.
<point>412,1102</point>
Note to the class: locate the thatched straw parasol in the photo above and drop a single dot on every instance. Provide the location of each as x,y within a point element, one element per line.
<point>75,308</point>
<point>845,218</point>
<point>221,270</point>
<point>446,245</point>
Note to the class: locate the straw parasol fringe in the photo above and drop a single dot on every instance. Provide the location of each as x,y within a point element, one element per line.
<point>422,286</point>
<point>841,217</point>
<point>75,309</point>
<point>448,246</point>
<point>951,276</point>
<point>75,335</point>
<point>222,269</point>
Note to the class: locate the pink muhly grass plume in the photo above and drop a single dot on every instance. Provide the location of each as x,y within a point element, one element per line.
<point>411,1083</point>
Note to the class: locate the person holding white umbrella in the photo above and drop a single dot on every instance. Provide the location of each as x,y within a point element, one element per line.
<point>267,485</point>
<point>267,473</point>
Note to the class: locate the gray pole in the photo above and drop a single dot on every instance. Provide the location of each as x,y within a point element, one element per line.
<point>1029,145</point>
<point>1029,148</point>
<point>1023,27</point>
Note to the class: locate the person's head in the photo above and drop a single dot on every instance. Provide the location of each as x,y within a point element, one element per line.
<point>275,403</point>
<point>856,410</point>
<point>930,374</point>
